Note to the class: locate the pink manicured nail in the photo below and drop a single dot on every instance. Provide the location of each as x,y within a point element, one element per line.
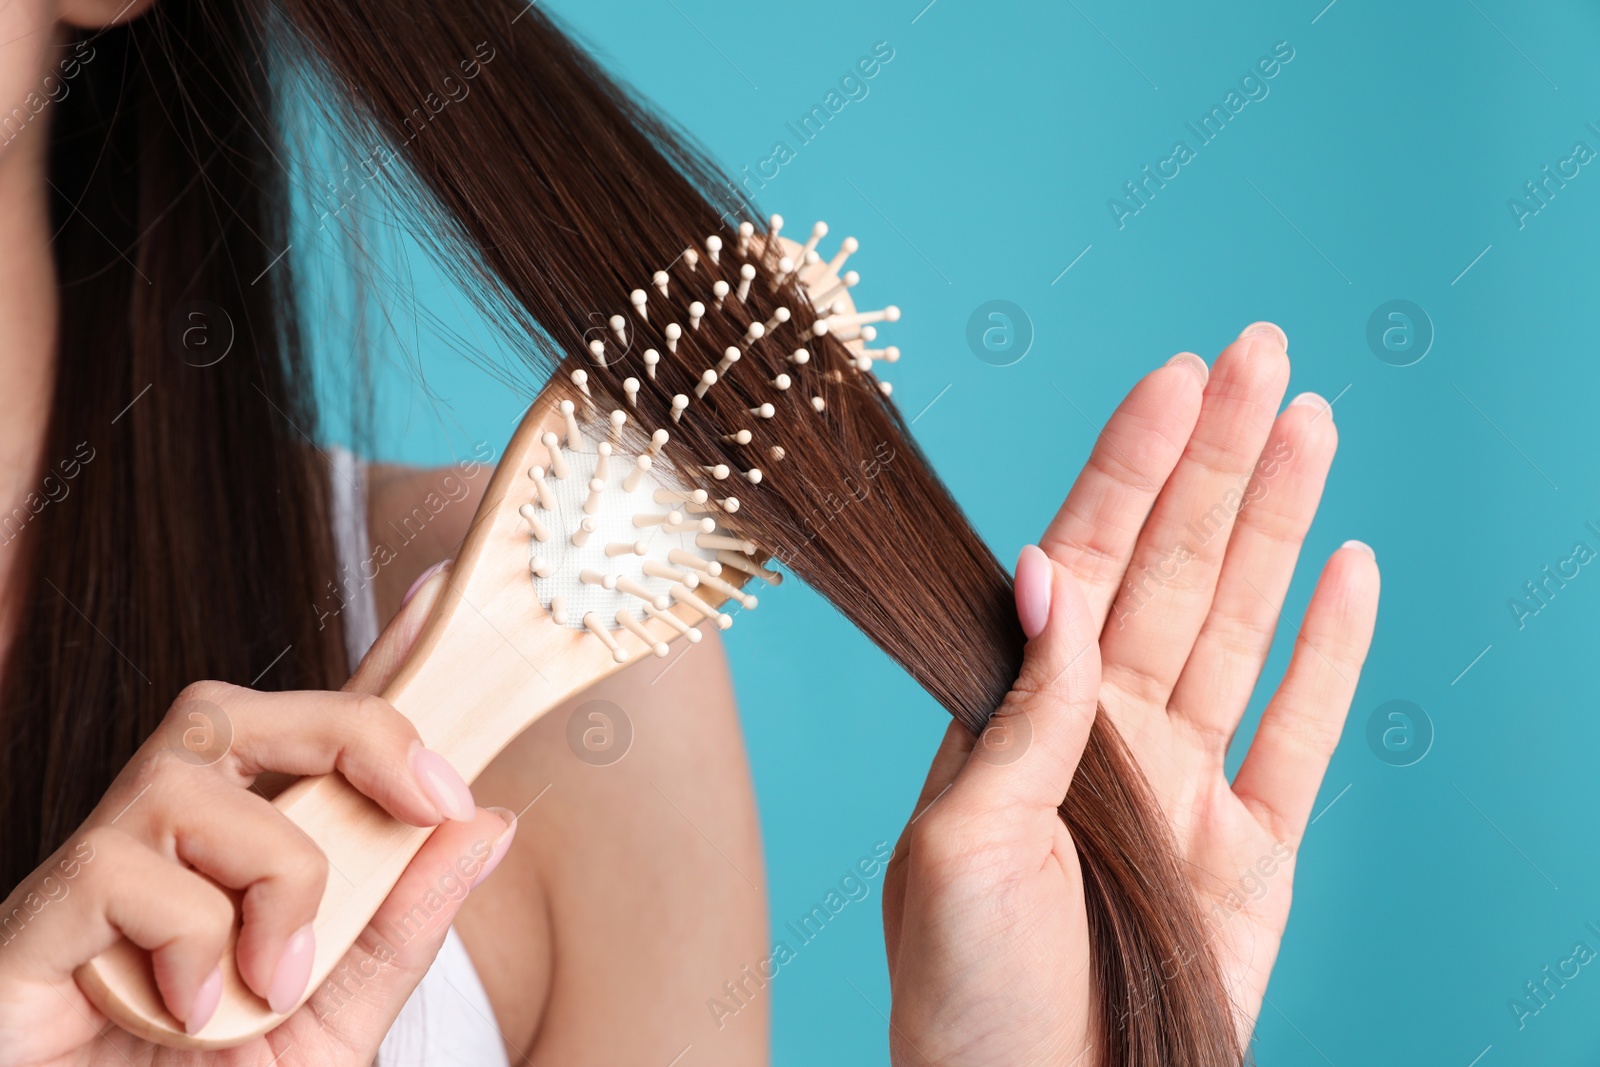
<point>442,784</point>
<point>423,577</point>
<point>1267,329</point>
<point>1033,590</point>
<point>1314,400</point>
<point>294,971</point>
<point>1194,363</point>
<point>205,1002</point>
<point>502,845</point>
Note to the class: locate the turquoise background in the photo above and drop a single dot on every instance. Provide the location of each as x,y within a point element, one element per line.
<point>1378,167</point>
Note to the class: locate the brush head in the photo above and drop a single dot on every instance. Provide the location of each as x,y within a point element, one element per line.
<point>626,535</point>
<point>612,544</point>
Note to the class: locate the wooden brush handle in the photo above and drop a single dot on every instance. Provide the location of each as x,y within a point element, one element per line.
<point>470,686</point>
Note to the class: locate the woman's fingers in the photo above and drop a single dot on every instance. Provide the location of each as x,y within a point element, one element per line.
<point>1028,754</point>
<point>83,904</point>
<point>361,997</point>
<point>1280,502</point>
<point>1162,604</point>
<point>184,801</point>
<point>359,735</point>
<point>200,819</point>
<point>1094,533</point>
<point>1289,754</point>
<point>356,732</point>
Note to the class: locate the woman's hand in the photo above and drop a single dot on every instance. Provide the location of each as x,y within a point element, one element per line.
<point>983,911</point>
<point>1182,534</point>
<point>179,811</point>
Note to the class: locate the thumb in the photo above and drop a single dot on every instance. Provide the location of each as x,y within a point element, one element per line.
<point>1029,752</point>
<point>357,1004</point>
<point>388,653</point>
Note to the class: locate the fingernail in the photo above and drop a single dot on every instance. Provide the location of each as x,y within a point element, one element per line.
<point>294,971</point>
<point>205,1002</point>
<point>422,579</point>
<point>443,785</point>
<point>1311,400</point>
<point>1267,329</point>
<point>502,845</point>
<point>1033,590</point>
<point>1194,363</point>
<point>1362,545</point>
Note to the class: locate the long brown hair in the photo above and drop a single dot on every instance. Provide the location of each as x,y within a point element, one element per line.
<point>551,193</point>
<point>190,534</point>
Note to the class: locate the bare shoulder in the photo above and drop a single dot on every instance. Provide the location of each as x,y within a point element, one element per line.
<point>417,516</point>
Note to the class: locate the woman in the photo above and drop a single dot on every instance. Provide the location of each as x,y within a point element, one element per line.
<point>93,206</point>
<point>159,556</point>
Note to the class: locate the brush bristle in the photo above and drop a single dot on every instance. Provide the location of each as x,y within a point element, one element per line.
<point>617,533</point>
<point>611,546</point>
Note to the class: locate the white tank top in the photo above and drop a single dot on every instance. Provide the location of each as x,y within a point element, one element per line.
<point>447,1019</point>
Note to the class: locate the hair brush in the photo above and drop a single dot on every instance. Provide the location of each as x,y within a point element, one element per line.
<point>600,539</point>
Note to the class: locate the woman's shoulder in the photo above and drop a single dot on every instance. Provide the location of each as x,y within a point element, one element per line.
<point>417,516</point>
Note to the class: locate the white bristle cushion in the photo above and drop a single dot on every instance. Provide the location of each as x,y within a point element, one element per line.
<point>613,521</point>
